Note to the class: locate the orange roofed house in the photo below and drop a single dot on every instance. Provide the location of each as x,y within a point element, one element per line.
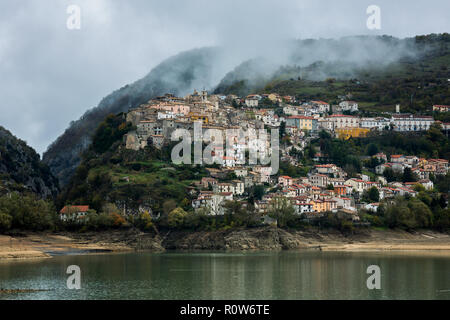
<point>285,181</point>
<point>73,213</point>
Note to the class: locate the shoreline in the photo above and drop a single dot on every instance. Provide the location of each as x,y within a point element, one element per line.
<point>33,246</point>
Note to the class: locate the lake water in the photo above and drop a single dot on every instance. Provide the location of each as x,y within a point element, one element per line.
<point>246,276</point>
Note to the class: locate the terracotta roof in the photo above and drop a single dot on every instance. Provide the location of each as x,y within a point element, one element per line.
<point>301,117</point>
<point>341,116</point>
<point>77,208</point>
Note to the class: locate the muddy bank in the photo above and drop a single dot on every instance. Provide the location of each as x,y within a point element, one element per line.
<point>327,240</point>
<point>45,245</point>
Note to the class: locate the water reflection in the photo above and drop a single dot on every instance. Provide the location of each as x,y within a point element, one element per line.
<point>283,275</point>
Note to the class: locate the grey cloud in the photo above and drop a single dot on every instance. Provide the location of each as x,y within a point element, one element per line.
<point>50,75</point>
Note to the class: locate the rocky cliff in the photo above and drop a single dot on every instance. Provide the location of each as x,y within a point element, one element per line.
<point>22,170</point>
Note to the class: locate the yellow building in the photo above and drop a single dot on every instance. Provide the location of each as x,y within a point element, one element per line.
<point>347,133</point>
<point>319,206</point>
<point>274,97</point>
<point>199,117</point>
<point>301,122</point>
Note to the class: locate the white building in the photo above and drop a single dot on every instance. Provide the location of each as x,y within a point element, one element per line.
<point>290,110</point>
<point>351,106</point>
<point>74,213</point>
<point>375,123</point>
<point>212,201</point>
<point>320,106</point>
<point>373,207</point>
<point>238,187</point>
<point>344,121</point>
<point>409,122</point>
<point>441,108</point>
<point>301,208</point>
<point>252,101</point>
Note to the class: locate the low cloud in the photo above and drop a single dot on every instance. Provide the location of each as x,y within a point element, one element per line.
<point>51,75</point>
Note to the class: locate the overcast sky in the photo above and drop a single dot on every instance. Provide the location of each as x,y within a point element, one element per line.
<point>50,75</point>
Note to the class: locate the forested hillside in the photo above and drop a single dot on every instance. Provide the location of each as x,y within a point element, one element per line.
<point>110,173</point>
<point>177,75</point>
<point>417,80</point>
<point>378,72</point>
<point>21,168</point>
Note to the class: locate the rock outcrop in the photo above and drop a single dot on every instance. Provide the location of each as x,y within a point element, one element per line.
<point>22,170</point>
<point>267,238</point>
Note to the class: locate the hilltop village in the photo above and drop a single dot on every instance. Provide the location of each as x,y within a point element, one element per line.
<point>326,187</point>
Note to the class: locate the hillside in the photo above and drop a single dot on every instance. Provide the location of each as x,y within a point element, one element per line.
<point>417,78</point>
<point>109,173</point>
<point>178,75</point>
<point>22,170</point>
<point>378,72</point>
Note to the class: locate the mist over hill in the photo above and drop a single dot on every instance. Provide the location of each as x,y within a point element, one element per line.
<point>343,59</point>
<point>274,66</point>
<point>178,75</point>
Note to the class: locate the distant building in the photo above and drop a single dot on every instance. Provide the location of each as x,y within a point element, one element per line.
<point>350,106</point>
<point>373,207</point>
<point>347,133</point>
<point>302,123</point>
<point>409,122</point>
<point>375,123</point>
<point>321,106</point>
<point>344,121</point>
<point>285,181</point>
<point>441,108</point>
<point>252,101</point>
<point>73,213</point>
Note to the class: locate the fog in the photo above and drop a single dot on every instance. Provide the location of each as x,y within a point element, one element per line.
<point>50,75</point>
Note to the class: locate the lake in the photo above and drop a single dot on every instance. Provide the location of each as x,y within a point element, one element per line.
<point>237,276</point>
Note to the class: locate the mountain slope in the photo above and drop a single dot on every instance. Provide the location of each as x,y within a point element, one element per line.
<point>387,71</point>
<point>384,71</point>
<point>110,173</point>
<point>178,75</point>
<point>22,170</point>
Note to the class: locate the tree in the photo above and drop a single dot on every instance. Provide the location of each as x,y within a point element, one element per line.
<point>186,204</point>
<point>169,206</point>
<point>281,209</point>
<point>419,188</point>
<point>144,221</point>
<point>197,218</point>
<point>5,221</point>
<point>28,212</point>
<point>176,218</point>
<point>374,194</point>
<point>372,149</point>
<point>422,214</point>
<point>401,216</point>
<point>282,129</point>
<point>408,175</point>
<point>390,175</point>
<point>236,214</point>
<point>441,219</point>
<point>258,192</point>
